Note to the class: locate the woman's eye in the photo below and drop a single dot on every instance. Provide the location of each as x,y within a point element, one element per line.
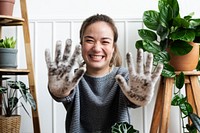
<point>106,42</point>
<point>89,41</point>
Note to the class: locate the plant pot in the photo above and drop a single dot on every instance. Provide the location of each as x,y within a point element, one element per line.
<point>10,124</point>
<point>186,62</point>
<point>6,7</point>
<point>8,58</point>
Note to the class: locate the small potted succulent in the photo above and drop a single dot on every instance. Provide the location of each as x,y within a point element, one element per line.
<point>8,53</point>
<point>11,102</point>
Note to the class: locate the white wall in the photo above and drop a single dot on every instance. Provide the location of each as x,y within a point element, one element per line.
<point>52,20</point>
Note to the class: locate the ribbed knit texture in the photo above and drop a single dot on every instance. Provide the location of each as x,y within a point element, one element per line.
<point>96,104</point>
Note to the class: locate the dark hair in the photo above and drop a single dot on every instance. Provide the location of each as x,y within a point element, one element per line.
<point>116,59</point>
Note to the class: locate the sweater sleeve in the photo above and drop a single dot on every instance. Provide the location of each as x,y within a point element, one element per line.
<point>67,99</point>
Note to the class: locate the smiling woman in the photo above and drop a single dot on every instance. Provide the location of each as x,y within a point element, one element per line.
<point>99,95</point>
<point>98,48</point>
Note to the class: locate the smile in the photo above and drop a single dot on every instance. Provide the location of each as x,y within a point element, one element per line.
<point>96,57</point>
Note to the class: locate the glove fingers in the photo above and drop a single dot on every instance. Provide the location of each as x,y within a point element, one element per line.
<point>78,75</point>
<point>140,61</point>
<point>122,83</point>
<point>67,50</point>
<point>47,57</point>
<point>149,64</point>
<point>131,67</point>
<point>58,52</point>
<point>73,59</point>
<point>157,72</point>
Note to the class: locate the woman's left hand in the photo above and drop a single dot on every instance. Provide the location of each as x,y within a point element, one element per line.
<point>140,87</point>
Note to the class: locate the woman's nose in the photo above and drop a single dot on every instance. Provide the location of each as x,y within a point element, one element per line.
<point>97,46</point>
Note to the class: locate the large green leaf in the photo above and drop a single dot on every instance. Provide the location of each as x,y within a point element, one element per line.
<point>151,19</point>
<point>12,102</point>
<point>180,48</point>
<point>123,127</point>
<point>31,100</point>
<point>164,44</point>
<point>147,34</point>
<point>172,3</point>
<point>168,71</point>
<point>184,35</point>
<point>22,88</point>
<point>151,47</point>
<point>178,99</point>
<point>180,80</point>
<point>163,32</point>
<point>194,23</point>
<point>139,44</point>
<point>180,22</point>
<point>186,108</point>
<point>166,14</point>
<point>161,57</point>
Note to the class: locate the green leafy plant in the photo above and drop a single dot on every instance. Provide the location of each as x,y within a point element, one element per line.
<point>8,42</point>
<point>10,101</point>
<point>186,109</point>
<point>167,31</point>
<point>123,127</point>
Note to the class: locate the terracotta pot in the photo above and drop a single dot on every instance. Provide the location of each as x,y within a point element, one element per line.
<point>10,124</point>
<point>6,7</point>
<point>186,62</point>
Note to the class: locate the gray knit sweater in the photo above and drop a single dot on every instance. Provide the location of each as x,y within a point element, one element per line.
<point>96,104</point>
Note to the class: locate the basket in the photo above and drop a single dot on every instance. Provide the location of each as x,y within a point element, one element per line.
<point>10,124</point>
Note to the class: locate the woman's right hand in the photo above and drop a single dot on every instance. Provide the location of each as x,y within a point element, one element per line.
<point>61,76</point>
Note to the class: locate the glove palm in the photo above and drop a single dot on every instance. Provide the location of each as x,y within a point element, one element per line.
<point>140,87</point>
<point>61,76</point>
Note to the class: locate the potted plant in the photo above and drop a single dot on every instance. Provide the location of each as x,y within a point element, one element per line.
<point>167,34</point>
<point>8,53</point>
<point>123,127</point>
<point>10,103</point>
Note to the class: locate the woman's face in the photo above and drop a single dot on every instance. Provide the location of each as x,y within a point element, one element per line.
<point>97,47</point>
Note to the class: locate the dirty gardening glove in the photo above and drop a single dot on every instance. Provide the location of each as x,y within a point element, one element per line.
<point>140,87</point>
<point>61,76</point>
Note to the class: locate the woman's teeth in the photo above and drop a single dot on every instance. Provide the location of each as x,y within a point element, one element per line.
<point>96,57</point>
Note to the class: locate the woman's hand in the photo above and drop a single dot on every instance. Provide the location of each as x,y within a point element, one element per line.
<point>61,76</point>
<point>140,87</point>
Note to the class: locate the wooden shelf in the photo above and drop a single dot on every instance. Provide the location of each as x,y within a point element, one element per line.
<point>14,21</point>
<point>10,21</point>
<point>194,73</point>
<point>14,71</point>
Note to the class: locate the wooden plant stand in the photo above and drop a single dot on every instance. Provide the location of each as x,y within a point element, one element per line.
<point>161,115</point>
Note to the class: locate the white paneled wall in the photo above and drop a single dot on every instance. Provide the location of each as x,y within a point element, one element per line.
<point>61,19</point>
<point>44,34</point>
